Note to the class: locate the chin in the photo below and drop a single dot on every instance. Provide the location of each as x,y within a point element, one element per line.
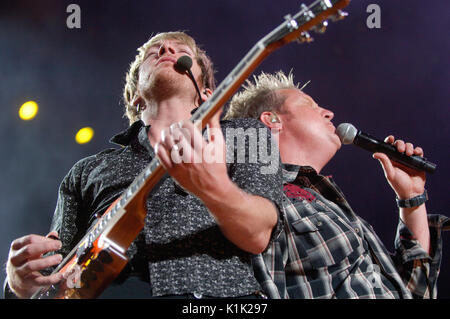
<point>336,141</point>
<point>162,83</point>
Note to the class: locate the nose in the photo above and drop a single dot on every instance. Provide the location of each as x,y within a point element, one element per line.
<point>166,48</point>
<point>327,114</point>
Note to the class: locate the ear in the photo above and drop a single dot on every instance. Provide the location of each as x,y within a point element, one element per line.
<point>271,120</point>
<point>138,100</point>
<point>206,94</point>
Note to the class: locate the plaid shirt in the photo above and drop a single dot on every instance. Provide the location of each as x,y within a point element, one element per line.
<point>327,251</point>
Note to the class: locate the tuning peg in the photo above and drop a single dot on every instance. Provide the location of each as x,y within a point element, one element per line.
<point>291,23</point>
<point>305,37</point>
<point>321,27</point>
<point>307,13</point>
<point>340,15</point>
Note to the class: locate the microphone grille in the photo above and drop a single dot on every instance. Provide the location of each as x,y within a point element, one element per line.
<point>346,133</point>
<point>184,63</point>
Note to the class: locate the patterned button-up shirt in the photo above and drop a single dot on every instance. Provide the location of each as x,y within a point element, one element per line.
<point>181,244</point>
<point>327,251</point>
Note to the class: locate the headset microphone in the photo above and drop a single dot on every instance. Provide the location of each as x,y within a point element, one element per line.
<point>184,63</point>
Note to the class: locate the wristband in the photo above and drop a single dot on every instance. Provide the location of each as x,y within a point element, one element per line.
<point>413,202</point>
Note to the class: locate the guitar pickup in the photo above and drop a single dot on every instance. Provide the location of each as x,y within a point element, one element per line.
<point>83,252</point>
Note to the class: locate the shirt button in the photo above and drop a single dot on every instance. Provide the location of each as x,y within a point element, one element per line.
<point>357,230</point>
<point>198,295</point>
<point>319,223</point>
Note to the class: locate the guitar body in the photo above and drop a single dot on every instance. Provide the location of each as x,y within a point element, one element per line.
<point>91,267</point>
<point>90,279</point>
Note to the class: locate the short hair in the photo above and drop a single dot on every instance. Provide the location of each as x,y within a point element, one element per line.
<point>260,96</point>
<point>132,76</point>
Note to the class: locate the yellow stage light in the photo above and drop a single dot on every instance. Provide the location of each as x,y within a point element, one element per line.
<point>84,135</point>
<point>28,110</point>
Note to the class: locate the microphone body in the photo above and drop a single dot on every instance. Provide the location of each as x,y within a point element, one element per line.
<point>349,134</point>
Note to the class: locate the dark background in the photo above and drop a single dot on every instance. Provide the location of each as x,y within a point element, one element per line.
<point>388,80</point>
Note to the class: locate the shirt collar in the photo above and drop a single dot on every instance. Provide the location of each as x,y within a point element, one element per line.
<point>137,131</point>
<point>291,172</point>
<point>125,137</point>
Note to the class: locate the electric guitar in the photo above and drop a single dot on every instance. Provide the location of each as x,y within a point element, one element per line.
<point>101,255</point>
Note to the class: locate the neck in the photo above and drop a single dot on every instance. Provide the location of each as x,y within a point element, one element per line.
<point>160,115</point>
<point>297,155</point>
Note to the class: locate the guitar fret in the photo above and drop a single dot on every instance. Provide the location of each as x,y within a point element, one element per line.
<point>291,23</point>
<point>91,239</point>
<point>129,193</point>
<point>308,14</point>
<point>326,4</point>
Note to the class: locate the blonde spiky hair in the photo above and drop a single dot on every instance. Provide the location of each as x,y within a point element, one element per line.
<point>261,96</point>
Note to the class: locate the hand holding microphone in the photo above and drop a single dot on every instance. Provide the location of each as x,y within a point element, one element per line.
<point>350,135</point>
<point>406,183</point>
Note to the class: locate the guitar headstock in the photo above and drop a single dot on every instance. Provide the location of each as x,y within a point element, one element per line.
<point>310,18</point>
<point>294,28</point>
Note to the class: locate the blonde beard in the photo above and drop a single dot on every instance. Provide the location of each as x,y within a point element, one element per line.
<point>161,86</point>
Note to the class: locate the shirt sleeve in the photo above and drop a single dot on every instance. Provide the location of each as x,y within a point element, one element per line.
<point>254,162</point>
<point>418,269</point>
<point>68,219</point>
<point>7,292</point>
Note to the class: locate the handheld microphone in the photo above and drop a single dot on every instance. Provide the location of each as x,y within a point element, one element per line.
<point>184,63</point>
<point>348,134</point>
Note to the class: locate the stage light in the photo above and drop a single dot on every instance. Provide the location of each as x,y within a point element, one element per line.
<point>28,110</point>
<point>84,135</point>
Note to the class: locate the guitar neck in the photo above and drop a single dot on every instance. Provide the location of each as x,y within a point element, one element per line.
<point>291,29</point>
<point>113,229</point>
<point>148,180</point>
<point>294,28</point>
